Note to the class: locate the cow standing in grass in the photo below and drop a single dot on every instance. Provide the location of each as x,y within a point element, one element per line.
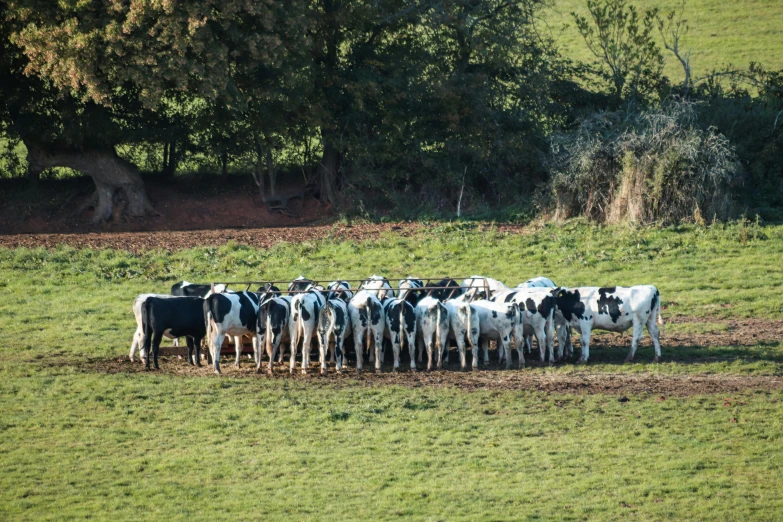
<point>614,309</point>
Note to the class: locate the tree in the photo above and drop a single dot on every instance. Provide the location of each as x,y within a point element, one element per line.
<point>126,62</point>
<point>623,43</point>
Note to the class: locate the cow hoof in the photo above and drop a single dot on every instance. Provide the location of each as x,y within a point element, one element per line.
<point>580,361</point>
<point>378,370</point>
<point>413,370</point>
<point>656,360</point>
<point>323,371</point>
<point>339,372</point>
<point>627,360</point>
<point>304,372</point>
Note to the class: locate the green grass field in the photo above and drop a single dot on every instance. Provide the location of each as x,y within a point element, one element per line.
<point>77,441</point>
<point>721,33</point>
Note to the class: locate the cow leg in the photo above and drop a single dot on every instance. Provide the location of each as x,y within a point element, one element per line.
<point>655,334</point>
<point>137,335</point>
<point>323,347</point>
<point>271,350</point>
<point>485,348</point>
<point>238,345</point>
<point>175,342</point>
<point>505,345</point>
<point>217,345</point>
<point>256,349</point>
<point>420,345</point>
<point>358,335</point>
<point>584,340</point>
<point>529,343</point>
<point>156,338</point>
<point>306,349</point>
<point>541,340</point>
<point>189,342</point>
<point>197,349</point>
<point>461,349</point>
<point>378,350</point>
<point>396,352</point>
<point>638,331</point>
<point>412,351</point>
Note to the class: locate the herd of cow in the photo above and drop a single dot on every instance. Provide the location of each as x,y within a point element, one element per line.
<point>377,316</point>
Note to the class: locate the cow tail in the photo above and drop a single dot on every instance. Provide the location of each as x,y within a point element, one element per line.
<point>658,308</point>
<point>268,334</point>
<point>208,323</point>
<point>467,322</point>
<point>297,324</point>
<point>146,326</point>
<point>441,311</point>
<point>369,307</point>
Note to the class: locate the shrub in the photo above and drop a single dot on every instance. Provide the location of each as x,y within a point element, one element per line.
<point>644,166</point>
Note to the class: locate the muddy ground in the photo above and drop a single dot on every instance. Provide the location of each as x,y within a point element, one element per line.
<point>607,348</point>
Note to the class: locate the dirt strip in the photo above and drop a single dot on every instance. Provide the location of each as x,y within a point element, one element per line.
<point>493,378</point>
<point>255,237</point>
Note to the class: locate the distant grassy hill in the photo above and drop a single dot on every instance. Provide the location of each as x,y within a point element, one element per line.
<point>734,32</point>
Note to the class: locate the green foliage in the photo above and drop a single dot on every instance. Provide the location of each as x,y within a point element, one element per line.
<point>624,45</point>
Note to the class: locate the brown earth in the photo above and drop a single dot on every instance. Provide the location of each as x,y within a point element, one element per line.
<point>493,378</point>
<point>607,348</point>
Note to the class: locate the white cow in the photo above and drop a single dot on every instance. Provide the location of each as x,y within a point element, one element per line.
<point>379,286</point>
<point>615,309</point>
<point>464,328</point>
<point>274,327</point>
<point>475,287</point>
<point>432,325</point>
<point>499,322</point>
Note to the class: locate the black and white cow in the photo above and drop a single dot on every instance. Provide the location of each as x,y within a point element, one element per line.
<point>230,313</point>
<point>432,325</point>
<point>561,326</point>
<point>138,335</point>
<point>615,309</point>
<point>173,317</point>
<point>186,289</point>
<point>368,323</point>
<point>476,287</point>
<point>410,290</point>
<point>464,328</point>
<point>339,290</point>
<point>334,327</point>
<point>305,309</point>
<point>499,322</point>
<point>446,289</point>
<point>537,315</point>
<point>273,328</point>
<point>400,328</point>
<point>300,284</point>
<point>379,286</point>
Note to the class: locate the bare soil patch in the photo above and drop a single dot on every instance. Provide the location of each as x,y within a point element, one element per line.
<point>493,377</point>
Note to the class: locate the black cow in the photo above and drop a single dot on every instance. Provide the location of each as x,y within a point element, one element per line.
<point>186,289</point>
<point>452,289</point>
<point>177,317</point>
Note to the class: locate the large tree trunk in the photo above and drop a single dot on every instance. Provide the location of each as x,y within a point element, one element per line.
<point>116,180</point>
<point>327,172</point>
